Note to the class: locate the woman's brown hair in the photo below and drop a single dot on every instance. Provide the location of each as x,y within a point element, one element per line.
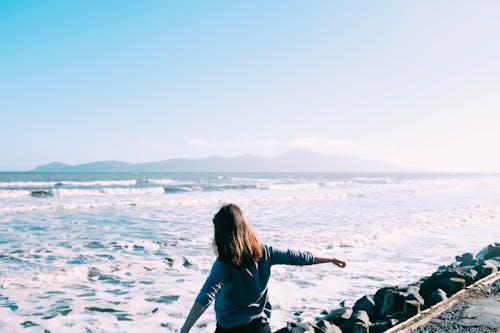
<point>234,240</point>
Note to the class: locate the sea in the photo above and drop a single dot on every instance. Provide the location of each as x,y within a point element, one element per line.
<point>129,252</point>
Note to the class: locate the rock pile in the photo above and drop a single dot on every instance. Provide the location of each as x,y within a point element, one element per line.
<point>393,305</point>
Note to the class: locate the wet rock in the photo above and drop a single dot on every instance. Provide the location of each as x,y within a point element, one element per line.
<point>466,259</point>
<point>41,193</point>
<point>455,285</point>
<point>434,298</point>
<point>300,327</point>
<point>323,326</point>
<point>491,251</point>
<point>440,280</point>
<point>366,303</point>
<point>339,316</point>
<point>282,330</point>
<point>413,295</point>
<point>383,325</point>
<point>379,300</point>
<point>486,268</point>
<point>393,302</point>
<point>359,322</point>
<point>411,308</point>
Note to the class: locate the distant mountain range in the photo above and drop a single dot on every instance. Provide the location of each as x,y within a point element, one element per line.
<point>292,161</point>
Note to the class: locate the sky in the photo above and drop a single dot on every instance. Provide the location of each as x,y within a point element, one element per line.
<point>410,83</point>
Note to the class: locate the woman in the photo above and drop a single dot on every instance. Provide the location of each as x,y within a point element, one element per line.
<point>240,275</point>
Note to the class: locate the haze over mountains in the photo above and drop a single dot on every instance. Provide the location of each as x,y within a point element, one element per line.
<point>292,161</point>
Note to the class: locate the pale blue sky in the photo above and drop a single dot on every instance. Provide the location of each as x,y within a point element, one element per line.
<point>407,82</point>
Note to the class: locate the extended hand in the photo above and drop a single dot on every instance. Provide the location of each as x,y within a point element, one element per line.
<point>339,263</point>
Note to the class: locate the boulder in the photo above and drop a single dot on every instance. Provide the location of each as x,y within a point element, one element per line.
<point>383,325</point>
<point>379,300</point>
<point>491,251</point>
<point>366,303</point>
<point>486,268</point>
<point>455,285</point>
<point>300,327</point>
<point>440,280</point>
<point>434,298</point>
<point>393,302</point>
<point>411,308</point>
<point>359,322</point>
<point>323,326</point>
<point>414,295</point>
<point>339,316</point>
<point>466,259</point>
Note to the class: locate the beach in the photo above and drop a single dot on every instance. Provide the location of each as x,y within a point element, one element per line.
<point>129,252</point>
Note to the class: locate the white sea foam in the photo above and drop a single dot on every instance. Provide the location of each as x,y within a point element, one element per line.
<point>49,184</point>
<point>79,255</point>
<point>14,193</point>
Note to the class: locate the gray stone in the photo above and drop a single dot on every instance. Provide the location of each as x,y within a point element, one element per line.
<point>323,326</point>
<point>339,316</point>
<point>491,251</point>
<point>466,259</point>
<point>379,300</point>
<point>383,325</point>
<point>393,302</point>
<point>366,303</point>
<point>411,308</point>
<point>455,285</point>
<point>358,321</point>
<point>437,296</point>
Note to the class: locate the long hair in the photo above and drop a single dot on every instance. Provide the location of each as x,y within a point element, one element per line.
<point>234,240</point>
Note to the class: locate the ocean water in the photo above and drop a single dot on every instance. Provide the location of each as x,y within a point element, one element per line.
<point>129,252</point>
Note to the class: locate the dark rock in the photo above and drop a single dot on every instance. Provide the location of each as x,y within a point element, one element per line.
<point>411,308</point>
<point>41,193</point>
<point>486,268</point>
<point>379,300</point>
<point>440,280</point>
<point>366,303</point>
<point>465,259</point>
<point>393,302</point>
<point>413,295</point>
<point>299,327</point>
<point>491,251</point>
<point>282,330</point>
<point>434,298</point>
<point>323,326</point>
<point>383,325</point>
<point>455,285</point>
<point>339,316</point>
<point>358,322</point>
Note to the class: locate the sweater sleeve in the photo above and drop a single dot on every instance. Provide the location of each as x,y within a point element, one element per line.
<point>212,285</point>
<point>290,257</point>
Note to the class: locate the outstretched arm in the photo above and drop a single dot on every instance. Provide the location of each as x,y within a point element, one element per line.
<point>195,313</point>
<point>321,260</point>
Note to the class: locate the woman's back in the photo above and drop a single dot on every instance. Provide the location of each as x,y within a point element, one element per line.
<point>240,292</point>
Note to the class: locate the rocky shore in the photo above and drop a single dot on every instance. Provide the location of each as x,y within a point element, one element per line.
<point>393,305</point>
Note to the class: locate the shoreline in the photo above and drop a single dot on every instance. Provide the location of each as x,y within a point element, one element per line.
<point>466,284</point>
